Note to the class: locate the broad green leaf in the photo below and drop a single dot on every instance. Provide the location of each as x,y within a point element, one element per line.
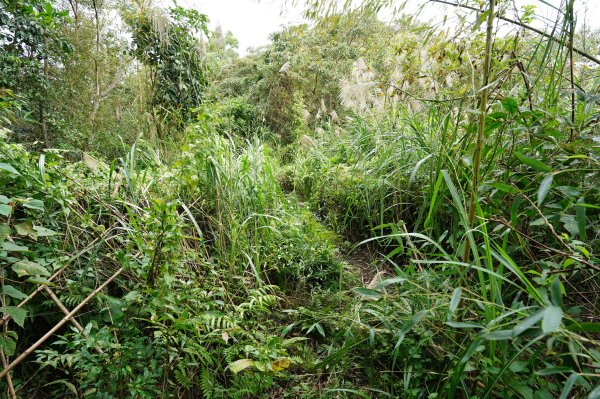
<point>9,168</point>
<point>28,268</point>
<point>552,318</point>
<point>8,345</point>
<point>44,232</point>
<point>4,231</point>
<point>578,204</point>
<point>538,222</point>
<point>26,229</point>
<point>34,204</point>
<point>40,280</point>
<point>481,18</point>
<point>5,210</point>
<point>13,292</point>
<point>455,300</point>
<point>71,387</point>
<point>408,325</point>
<point>510,105</point>
<point>368,293</point>
<point>416,169</point>
<point>534,163</point>
<point>436,189</point>
<point>544,188</point>
<point>12,247</point>
<point>287,329</point>
<point>17,314</point>
<point>240,365</point>
<point>517,366</point>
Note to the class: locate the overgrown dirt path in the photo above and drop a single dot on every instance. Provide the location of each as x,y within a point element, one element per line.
<point>361,260</point>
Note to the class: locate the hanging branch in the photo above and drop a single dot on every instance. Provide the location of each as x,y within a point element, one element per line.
<point>525,26</point>
<point>483,102</point>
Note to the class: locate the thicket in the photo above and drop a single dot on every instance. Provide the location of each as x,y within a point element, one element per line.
<point>359,209</point>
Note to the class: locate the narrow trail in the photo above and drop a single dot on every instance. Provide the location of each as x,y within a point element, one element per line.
<point>360,260</point>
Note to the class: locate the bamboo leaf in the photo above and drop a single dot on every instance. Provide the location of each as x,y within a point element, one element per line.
<point>368,293</point>
<point>544,188</point>
<point>527,323</point>
<point>9,168</point>
<point>552,318</point>
<point>455,300</point>
<point>556,292</point>
<point>534,163</point>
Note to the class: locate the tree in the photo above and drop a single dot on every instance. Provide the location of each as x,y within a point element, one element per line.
<point>31,43</point>
<point>167,43</point>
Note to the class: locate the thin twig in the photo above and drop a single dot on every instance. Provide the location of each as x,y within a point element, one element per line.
<point>522,25</point>
<point>556,251</point>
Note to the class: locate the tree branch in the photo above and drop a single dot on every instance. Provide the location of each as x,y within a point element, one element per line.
<point>522,25</point>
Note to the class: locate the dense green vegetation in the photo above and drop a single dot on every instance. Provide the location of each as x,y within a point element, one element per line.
<point>360,209</point>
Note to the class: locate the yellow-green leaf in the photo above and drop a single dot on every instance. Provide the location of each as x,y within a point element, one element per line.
<point>281,363</point>
<point>240,365</point>
<point>26,229</point>
<point>28,268</point>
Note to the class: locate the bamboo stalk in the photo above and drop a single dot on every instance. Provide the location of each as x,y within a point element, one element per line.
<point>483,103</point>
<point>64,309</point>
<point>64,320</point>
<point>6,317</point>
<point>12,394</point>
<point>11,389</point>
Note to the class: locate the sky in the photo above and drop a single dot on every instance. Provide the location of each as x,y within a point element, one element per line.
<point>252,21</point>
